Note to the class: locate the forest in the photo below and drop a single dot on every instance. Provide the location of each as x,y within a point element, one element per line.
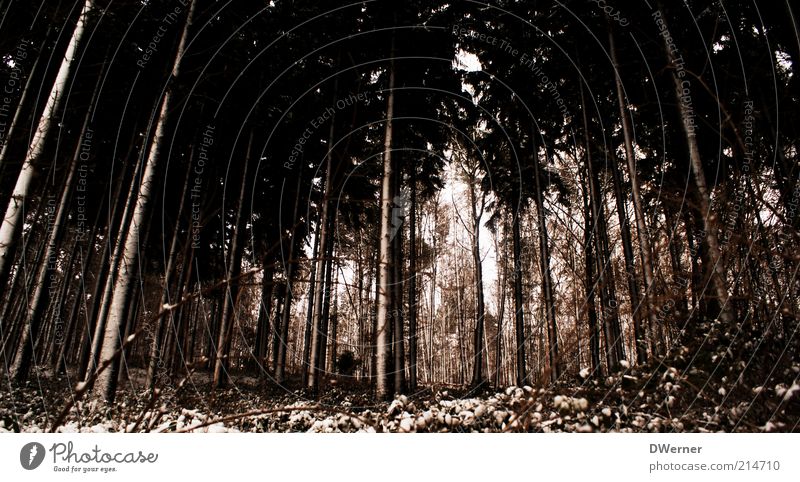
<point>418,216</point>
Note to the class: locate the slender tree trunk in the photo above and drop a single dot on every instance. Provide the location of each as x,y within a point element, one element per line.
<point>501,312</point>
<point>322,273</point>
<point>695,253</point>
<point>519,319</point>
<point>641,227</point>
<point>590,282</point>
<point>264,312</point>
<point>61,331</point>
<point>280,369</point>
<point>86,258</point>
<point>326,301</point>
<point>412,283</point>
<point>12,221</point>
<point>228,318</point>
<point>90,344</point>
<point>310,312</point>
<point>384,289</point>
<point>102,305</point>
<point>480,315</point>
<point>547,280</point>
<point>46,272</point>
<point>434,280</point>
<point>398,329</point>
<point>156,348</point>
<point>630,265</point>
<point>106,384</point>
<point>605,278</point>
<point>679,274</point>
<point>710,224</point>
<point>280,309</point>
<point>333,334</point>
<point>361,314</point>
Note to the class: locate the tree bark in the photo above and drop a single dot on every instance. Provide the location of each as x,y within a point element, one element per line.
<point>398,329</point>
<point>12,221</point>
<point>45,273</point>
<point>280,369</point>
<point>480,315</point>
<point>264,312</point>
<point>228,318</point>
<point>710,224</point>
<point>412,283</point>
<point>306,368</point>
<point>156,348</point>
<point>106,384</point>
<point>384,300</point>
<point>519,318</point>
<point>590,283</point>
<point>644,237</point>
<point>322,282</point>
<point>547,280</point>
<point>605,279</point>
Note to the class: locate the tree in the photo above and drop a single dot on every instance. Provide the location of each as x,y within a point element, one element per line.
<point>45,273</point>
<point>106,382</point>
<point>710,225</point>
<point>644,236</point>
<point>384,288</point>
<point>11,226</point>
<point>228,318</point>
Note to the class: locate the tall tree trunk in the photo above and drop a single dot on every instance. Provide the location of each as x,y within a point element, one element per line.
<point>630,265</point>
<point>477,367</point>
<point>86,257</point>
<point>90,344</point>
<point>61,332</point>
<point>644,237</point>
<point>605,278</point>
<point>326,301</point>
<point>501,312</point>
<point>716,270</point>
<point>281,308</point>
<point>46,271</point>
<point>547,280</point>
<point>102,304</point>
<point>384,289</point>
<point>589,209</point>
<point>333,333</point>
<point>679,275</point>
<point>228,318</point>
<point>12,221</point>
<point>312,286</point>
<point>434,280</point>
<point>156,348</point>
<point>106,384</point>
<point>696,250</point>
<point>398,331</point>
<point>361,314</point>
<point>280,369</point>
<point>590,282</point>
<point>322,290</point>
<point>264,312</point>
<point>519,318</point>
<point>412,283</point>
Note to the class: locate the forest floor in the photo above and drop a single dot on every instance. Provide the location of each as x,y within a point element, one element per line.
<point>729,381</point>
